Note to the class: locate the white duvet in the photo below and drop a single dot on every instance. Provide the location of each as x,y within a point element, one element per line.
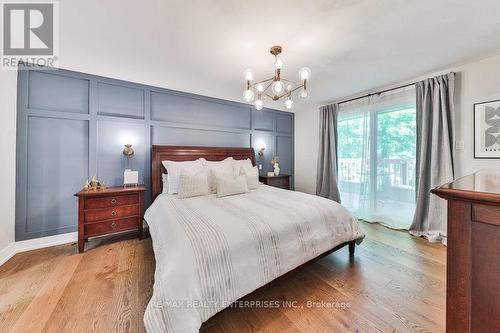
<point>211,251</point>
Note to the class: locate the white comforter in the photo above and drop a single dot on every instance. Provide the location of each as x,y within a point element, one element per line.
<point>212,251</point>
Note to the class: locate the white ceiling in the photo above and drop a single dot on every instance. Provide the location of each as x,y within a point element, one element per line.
<point>204,46</point>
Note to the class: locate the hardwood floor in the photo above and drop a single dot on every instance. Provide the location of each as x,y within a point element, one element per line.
<point>395,283</point>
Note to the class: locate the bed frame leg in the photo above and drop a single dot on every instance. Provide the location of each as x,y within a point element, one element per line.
<point>352,245</point>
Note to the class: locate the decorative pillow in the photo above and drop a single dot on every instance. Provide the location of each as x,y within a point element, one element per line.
<point>193,185</point>
<point>218,168</point>
<point>238,164</point>
<point>174,171</point>
<point>231,185</point>
<point>252,175</point>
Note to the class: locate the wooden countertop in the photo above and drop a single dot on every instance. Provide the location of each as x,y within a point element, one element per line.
<point>481,186</point>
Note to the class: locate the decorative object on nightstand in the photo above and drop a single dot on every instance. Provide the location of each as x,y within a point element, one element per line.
<point>281,181</point>
<point>107,211</point>
<point>94,184</point>
<point>130,177</point>
<point>276,165</point>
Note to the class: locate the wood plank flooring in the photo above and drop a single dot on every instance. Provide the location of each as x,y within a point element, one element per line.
<point>395,283</point>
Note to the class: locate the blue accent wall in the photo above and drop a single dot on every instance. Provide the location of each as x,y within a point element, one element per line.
<point>71,126</point>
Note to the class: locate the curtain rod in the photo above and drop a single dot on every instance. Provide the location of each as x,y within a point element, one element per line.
<point>381,92</point>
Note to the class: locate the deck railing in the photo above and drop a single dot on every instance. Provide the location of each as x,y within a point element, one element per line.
<point>395,177</point>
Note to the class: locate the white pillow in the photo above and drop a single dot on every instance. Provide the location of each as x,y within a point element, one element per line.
<point>252,175</point>
<point>164,179</point>
<point>174,172</point>
<point>193,185</point>
<point>231,185</point>
<point>214,168</point>
<point>238,164</point>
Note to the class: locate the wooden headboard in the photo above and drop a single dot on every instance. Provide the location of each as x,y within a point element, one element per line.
<point>186,153</point>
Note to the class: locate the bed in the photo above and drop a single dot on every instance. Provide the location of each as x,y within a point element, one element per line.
<point>212,251</point>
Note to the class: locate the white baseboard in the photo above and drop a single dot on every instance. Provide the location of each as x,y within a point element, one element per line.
<point>38,243</point>
<point>34,244</point>
<point>7,253</point>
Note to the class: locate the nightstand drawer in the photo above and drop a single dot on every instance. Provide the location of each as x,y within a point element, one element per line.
<point>277,181</point>
<point>280,182</point>
<point>101,228</point>
<point>111,201</point>
<point>93,215</point>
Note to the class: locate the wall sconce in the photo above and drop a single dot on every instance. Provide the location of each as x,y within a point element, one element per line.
<point>261,146</point>
<point>128,150</point>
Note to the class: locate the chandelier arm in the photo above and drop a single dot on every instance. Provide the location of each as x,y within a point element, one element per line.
<point>296,88</point>
<point>263,81</point>
<point>266,94</point>
<point>289,93</point>
<point>269,85</point>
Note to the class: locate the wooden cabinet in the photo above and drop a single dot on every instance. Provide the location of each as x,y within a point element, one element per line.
<point>473,253</point>
<point>104,212</point>
<point>281,181</point>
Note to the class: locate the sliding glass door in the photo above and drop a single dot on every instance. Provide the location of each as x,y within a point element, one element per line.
<point>376,157</point>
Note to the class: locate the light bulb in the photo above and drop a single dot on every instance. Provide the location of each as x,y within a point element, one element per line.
<point>278,64</point>
<point>304,73</point>
<point>248,95</point>
<point>259,87</point>
<point>304,95</point>
<point>289,87</point>
<point>277,87</point>
<point>288,104</point>
<point>259,104</point>
<point>249,75</point>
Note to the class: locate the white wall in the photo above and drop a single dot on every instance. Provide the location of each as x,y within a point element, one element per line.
<point>8,94</point>
<point>476,81</point>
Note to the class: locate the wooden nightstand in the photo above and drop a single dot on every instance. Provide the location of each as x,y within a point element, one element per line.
<point>104,212</point>
<point>281,181</point>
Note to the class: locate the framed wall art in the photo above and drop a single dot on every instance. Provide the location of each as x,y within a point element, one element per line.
<point>487,129</point>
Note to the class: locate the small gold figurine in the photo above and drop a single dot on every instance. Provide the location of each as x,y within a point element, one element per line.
<point>94,184</point>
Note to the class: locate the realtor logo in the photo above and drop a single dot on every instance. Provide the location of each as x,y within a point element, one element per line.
<point>29,32</point>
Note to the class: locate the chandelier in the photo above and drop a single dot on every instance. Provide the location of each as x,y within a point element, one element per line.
<point>276,87</point>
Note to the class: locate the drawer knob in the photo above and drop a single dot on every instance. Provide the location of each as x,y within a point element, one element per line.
<point>113,201</point>
<point>113,213</point>
<point>113,225</point>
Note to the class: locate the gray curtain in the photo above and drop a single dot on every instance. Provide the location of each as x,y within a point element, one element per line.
<point>435,112</point>
<point>326,178</point>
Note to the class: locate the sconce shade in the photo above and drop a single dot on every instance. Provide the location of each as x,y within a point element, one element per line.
<point>128,150</point>
<point>260,146</point>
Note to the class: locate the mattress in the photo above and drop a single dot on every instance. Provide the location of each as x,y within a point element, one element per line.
<point>212,251</point>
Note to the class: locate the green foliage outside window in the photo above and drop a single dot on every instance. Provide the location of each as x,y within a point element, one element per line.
<point>396,137</point>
